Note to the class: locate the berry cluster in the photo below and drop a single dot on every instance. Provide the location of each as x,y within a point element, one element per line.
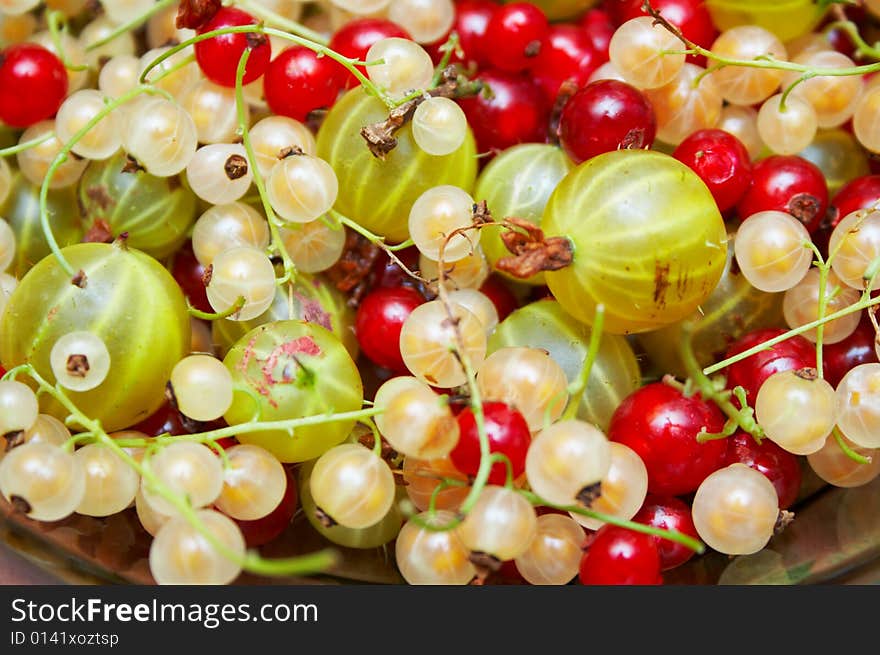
<point>537,291</point>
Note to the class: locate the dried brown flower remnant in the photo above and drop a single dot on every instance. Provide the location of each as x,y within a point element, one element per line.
<point>192,14</point>
<point>351,274</point>
<point>235,167</point>
<point>99,232</point>
<point>78,366</point>
<point>532,251</point>
<point>380,136</point>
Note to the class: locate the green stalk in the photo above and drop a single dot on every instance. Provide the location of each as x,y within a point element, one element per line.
<point>131,25</point>
<point>576,388</point>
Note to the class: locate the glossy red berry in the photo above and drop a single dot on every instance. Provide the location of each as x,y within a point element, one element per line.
<point>190,275</point>
<point>515,36</point>
<point>388,273</point>
<point>668,513</point>
<point>606,115</point>
<point>379,319</point>
<point>790,184</point>
<point>355,39</point>
<point>568,54</point>
<point>262,531</point>
<point>218,56</point>
<point>779,466</point>
<point>858,348</point>
<point>860,193</point>
<point>33,84</point>
<point>512,111</point>
<point>471,22</point>
<point>508,434</point>
<point>168,420</point>
<point>661,425</point>
<point>600,28</point>
<point>618,556</point>
<point>722,162</point>
<point>298,81</point>
<point>789,355</point>
<point>501,296</point>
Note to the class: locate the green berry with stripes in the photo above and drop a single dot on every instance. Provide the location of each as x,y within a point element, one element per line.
<point>21,210</point>
<point>648,240</point>
<point>787,19</point>
<point>733,309</point>
<point>546,325</point>
<point>155,212</point>
<point>129,300</point>
<point>310,298</point>
<point>518,182</point>
<point>378,194</point>
<point>290,369</point>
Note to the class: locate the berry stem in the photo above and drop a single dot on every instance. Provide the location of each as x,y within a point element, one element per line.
<point>277,244</point>
<point>763,61</point>
<point>27,145</point>
<point>61,157</point>
<point>849,452</point>
<point>209,316</point>
<point>865,302</point>
<point>252,561</point>
<point>131,25</point>
<point>577,387</point>
<point>738,417</point>
<point>672,535</point>
<point>379,242</point>
<point>852,30</point>
<point>56,22</point>
<point>349,64</point>
<point>272,18</point>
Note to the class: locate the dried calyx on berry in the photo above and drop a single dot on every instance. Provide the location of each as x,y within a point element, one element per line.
<point>192,14</point>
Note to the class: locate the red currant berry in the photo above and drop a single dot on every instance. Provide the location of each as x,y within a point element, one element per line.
<point>33,84</point>
<point>356,38</point>
<point>508,434</point>
<point>500,295</point>
<point>661,425</point>
<point>387,272</point>
<point>379,318</point>
<point>604,116</point>
<point>600,28</point>
<point>515,36</point>
<point>690,16</point>
<point>568,54</point>
<point>668,513</point>
<point>861,193</point>
<point>779,466</point>
<point>790,184</point>
<point>471,22</point>
<point>262,531</point>
<point>190,276</point>
<point>790,355</point>
<point>722,162</point>
<point>617,556</point>
<point>298,81</point>
<point>513,111</point>
<point>167,420</point>
<point>218,56</point>
<point>858,348</point>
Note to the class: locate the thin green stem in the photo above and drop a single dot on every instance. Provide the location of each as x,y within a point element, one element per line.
<point>849,452</point>
<point>272,18</point>
<point>864,303</point>
<point>313,563</point>
<point>852,31</point>
<point>277,243</point>
<point>378,241</point>
<point>672,535</point>
<point>319,48</point>
<point>576,388</point>
<point>26,145</point>
<point>209,316</point>
<point>131,25</point>
<point>56,22</point>
<point>447,49</point>
<point>61,157</point>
